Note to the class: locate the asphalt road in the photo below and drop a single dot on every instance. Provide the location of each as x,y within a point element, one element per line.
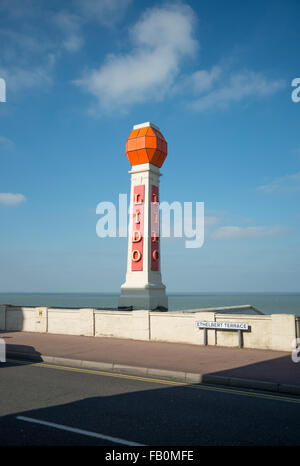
<point>47,405</point>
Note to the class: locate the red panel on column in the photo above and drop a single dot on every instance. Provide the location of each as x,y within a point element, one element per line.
<point>155,259</point>
<point>137,239</point>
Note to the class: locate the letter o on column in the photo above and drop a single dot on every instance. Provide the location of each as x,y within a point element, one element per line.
<point>155,255</point>
<point>136,255</point>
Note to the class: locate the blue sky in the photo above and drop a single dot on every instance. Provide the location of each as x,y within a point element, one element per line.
<point>214,76</point>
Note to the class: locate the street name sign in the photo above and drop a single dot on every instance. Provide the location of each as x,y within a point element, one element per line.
<point>222,325</point>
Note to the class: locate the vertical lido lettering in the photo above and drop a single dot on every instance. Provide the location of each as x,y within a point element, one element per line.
<point>154,228</point>
<point>137,240</point>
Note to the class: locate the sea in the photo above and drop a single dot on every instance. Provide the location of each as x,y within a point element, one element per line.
<point>268,303</point>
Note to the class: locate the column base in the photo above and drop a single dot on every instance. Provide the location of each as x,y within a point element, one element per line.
<point>149,298</point>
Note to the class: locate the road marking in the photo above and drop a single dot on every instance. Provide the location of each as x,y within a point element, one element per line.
<point>80,431</point>
<point>232,391</point>
<point>247,393</point>
<point>97,372</point>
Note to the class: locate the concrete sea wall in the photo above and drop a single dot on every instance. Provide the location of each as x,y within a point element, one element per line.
<point>276,331</point>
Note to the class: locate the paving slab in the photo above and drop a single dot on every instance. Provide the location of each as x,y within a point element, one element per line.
<point>212,364</point>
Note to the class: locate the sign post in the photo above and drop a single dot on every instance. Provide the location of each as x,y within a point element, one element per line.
<point>238,326</point>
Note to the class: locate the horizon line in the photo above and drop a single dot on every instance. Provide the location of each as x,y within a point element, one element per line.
<point>170,293</point>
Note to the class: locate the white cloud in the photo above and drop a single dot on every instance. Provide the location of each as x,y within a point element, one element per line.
<point>35,35</point>
<point>203,80</point>
<point>70,25</point>
<point>287,183</point>
<point>11,198</point>
<point>106,12</point>
<point>28,52</point>
<point>19,78</point>
<point>211,220</point>
<point>31,47</point>
<point>241,85</point>
<point>19,45</point>
<point>234,232</point>
<point>161,39</point>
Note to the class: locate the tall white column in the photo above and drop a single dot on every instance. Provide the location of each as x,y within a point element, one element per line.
<point>143,288</point>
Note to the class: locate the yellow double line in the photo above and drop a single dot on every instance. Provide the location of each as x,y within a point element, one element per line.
<point>232,391</point>
<point>97,372</point>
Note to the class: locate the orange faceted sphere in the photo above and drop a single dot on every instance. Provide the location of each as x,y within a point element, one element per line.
<point>146,145</point>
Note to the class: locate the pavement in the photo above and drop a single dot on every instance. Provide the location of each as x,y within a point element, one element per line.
<point>247,368</point>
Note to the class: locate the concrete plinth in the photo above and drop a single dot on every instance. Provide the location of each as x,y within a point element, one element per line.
<point>149,298</point>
